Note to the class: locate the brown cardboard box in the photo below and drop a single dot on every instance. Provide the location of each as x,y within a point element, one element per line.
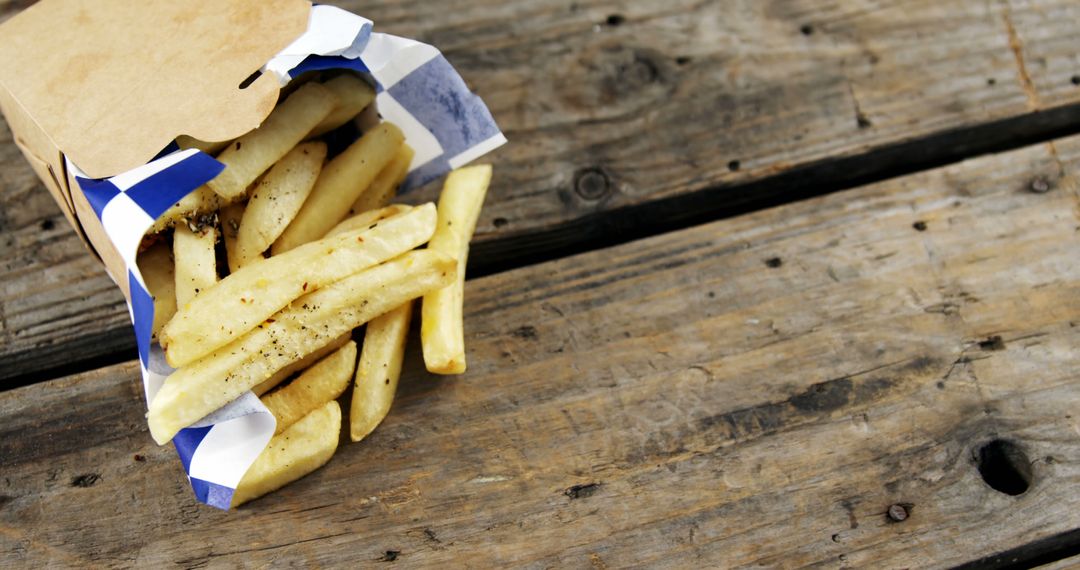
<point>109,83</point>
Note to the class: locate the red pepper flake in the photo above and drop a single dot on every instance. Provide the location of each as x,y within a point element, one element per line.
<point>359,239</point>
<point>305,285</point>
<point>271,321</point>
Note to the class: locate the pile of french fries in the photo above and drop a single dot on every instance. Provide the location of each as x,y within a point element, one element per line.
<point>312,250</point>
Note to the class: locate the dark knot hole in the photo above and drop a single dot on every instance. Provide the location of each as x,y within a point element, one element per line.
<point>1005,467</point>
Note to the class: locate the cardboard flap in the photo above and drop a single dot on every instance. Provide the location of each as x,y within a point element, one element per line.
<point>113,81</point>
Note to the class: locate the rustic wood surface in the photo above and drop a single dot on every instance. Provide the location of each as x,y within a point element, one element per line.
<point>57,304</point>
<point>759,390</point>
<point>615,105</point>
<point>1069,564</point>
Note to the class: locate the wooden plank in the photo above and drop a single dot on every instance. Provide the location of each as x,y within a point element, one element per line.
<point>56,302</point>
<point>757,391</point>
<point>612,106</point>
<point>1071,563</point>
<point>615,105</point>
<point>1045,553</point>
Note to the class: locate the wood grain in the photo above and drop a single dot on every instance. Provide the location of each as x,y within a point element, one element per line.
<point>612,105</point>
<point>1069,564</point>
<point>756,391</point>
<point>617,105</point>
<point>56,302</point>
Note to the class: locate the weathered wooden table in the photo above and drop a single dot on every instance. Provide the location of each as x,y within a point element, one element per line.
<point>759,283</point>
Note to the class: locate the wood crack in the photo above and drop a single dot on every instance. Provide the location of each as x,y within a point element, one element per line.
<point>1017,47</point>
<point>204,559</point>
<point>861,120</point>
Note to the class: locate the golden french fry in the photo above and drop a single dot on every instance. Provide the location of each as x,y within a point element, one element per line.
<point>250,155</point>
<point>305,362</point>
<point>339,185</point>
<point>442,332</point>
<point>353,95</point>
<point>384,187</point>
<point>367,218</point>
<point>310,322</point>
<point>276,199</point>
<point>156,267</point>
<point>378,371</point>
<point>307,445</point>
<point>185,142</point>
<point>243,300</point>
<point>200,202</point>
<point>324,381</point>
<point>196,264</point>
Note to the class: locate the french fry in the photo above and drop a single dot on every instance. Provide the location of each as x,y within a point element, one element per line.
<point>367,218</point>
<point>196,264</point>
<point>230,217</point>
<point>302,364</point>
<point>185,142</point>
<point>353,95</point>
<point>442,332</point>
<point>339,185</point>
<point>378,371</point>
<point>156,267</point>
<point>307,445</point>
<point>324,381</point>
<point>384,187</point>
<point>200,202</point>
<point>276,199</point>
<point>289,123</point>
<point>243,300</point>
<point>310,322</point>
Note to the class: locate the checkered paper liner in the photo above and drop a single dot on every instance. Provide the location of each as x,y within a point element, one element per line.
<point>417,90</point>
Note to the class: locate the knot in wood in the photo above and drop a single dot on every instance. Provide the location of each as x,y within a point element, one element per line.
<point>641,71</point>
<point>592,183</point>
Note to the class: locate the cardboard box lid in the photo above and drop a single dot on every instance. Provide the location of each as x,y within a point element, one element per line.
<point>112,82</point>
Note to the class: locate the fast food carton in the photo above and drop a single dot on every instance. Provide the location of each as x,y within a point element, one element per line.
<point>96,91</point>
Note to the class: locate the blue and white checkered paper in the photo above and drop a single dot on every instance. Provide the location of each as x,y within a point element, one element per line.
<point>446,124</point>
